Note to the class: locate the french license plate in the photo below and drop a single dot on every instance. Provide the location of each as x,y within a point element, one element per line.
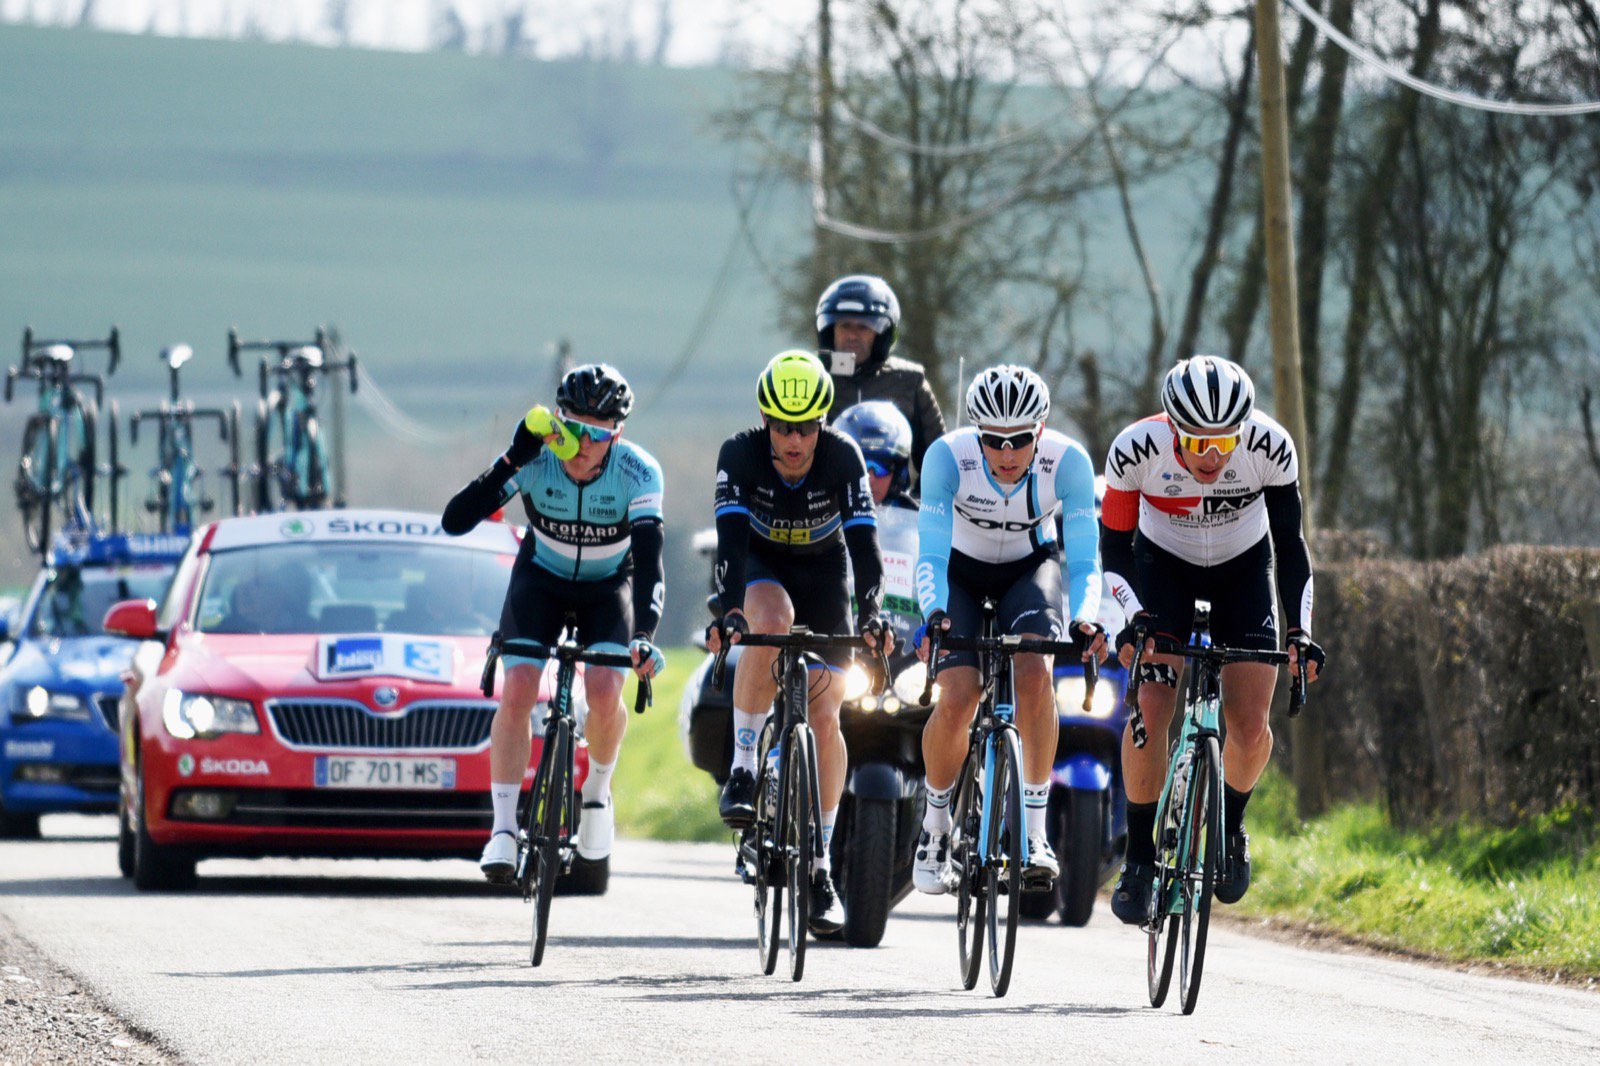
<point>362,771</point>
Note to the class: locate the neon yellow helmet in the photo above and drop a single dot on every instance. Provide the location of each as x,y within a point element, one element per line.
<point>795,387</point>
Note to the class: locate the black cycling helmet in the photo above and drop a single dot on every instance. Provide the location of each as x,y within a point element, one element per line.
<point>596,390</point>
<point>884,436</point>
<point>866,297</point>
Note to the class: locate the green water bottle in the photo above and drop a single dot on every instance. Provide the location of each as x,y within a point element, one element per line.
<point>541,423</point>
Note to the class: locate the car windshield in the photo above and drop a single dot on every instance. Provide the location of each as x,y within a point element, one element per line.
<point>426,589</point>
<point>74,601</point>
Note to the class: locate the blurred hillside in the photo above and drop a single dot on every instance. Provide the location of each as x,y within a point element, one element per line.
<point>451,215</point>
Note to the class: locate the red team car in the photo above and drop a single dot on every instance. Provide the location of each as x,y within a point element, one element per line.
<point>316,692</point>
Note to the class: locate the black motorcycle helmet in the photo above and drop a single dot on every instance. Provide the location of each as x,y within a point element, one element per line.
<point>864,296</point>
<point>596,390</point>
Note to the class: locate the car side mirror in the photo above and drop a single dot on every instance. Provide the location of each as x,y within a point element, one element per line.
<point>132,618</point>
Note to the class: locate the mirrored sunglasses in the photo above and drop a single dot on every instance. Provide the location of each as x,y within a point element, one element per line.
<point>598,434</point>
<point>1196,444</point>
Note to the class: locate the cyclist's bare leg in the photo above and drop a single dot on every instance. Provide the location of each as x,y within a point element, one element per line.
<point>1246,701</point>
<point>1144,770</point>
<point>944,738</point>
<point>607,719</point>
<point>768,610</point>
<point>827,693</point>
<point>510,740</point>
<point>1036,713</point>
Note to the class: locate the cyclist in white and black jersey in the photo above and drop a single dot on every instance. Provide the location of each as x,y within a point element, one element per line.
<point>1200,502</point>
<point>990,495</point>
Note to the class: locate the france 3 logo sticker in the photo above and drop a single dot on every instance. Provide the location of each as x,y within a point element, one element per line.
<point>427,659</point>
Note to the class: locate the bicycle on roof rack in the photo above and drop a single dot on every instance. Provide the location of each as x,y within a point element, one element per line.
<point>57,471</point>
<point>291,465</point>
<point>177,481</point>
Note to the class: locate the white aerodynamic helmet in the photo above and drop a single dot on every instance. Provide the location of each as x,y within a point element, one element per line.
<point>1208,392</point>
<point>1007,396</point>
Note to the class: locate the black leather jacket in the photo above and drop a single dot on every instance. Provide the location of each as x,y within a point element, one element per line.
<point>902,383</point>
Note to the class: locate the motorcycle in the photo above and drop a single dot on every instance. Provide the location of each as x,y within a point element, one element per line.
<point>1088,812</point>
<point>875,834</point>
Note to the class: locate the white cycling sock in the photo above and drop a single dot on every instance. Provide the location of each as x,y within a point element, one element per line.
<point>827,839</point>
<point>597,786</point>
<point>1036,803</point>
<point>504,797</point>
<point>746,732</point>
<point>936,815</point>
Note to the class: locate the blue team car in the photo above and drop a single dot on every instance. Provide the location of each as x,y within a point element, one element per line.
<point>61,676</point>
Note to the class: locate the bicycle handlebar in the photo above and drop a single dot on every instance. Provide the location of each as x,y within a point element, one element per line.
<point>112,344</point>
<point>1220,657</point>
<point>939,641</point>
<point>567,652</point>
<point>803,640</point>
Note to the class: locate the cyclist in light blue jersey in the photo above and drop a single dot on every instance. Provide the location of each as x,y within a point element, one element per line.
<point>990,493</point>
<point>593,551</point>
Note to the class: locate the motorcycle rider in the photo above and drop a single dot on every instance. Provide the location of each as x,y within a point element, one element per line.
<point>858,322</point>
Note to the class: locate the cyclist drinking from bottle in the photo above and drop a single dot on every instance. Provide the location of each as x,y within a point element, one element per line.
<point>1200,501</point>
<point>792,503</point>
<point>593,550</point>
<point>990,493</point>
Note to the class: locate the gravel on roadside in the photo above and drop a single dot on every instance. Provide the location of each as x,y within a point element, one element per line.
<point>47,1016</point>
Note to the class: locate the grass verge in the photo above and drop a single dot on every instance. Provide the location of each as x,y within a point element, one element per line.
<point>1522,896</point>
<point>660,794</point>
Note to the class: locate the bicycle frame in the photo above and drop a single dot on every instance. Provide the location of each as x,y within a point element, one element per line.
<point>177,477</point>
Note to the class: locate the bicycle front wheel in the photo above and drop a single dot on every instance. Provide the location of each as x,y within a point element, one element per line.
<point>549,817</point>
<point>762,849</point>
<point>1006,848</point>
<point>799,827</point>
<point>966,823</point>
<point>1203,837</point>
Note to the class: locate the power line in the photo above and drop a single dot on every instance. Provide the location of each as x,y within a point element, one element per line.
<point>1449,96</point>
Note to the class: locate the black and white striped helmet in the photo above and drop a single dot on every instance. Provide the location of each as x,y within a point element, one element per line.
<point>1208,392</point>
<point>1007,396</point>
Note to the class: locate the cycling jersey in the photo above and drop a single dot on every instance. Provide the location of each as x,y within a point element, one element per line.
<point>966,512</point>
<point>609,525</point>
<point>1257,495</point>
<point>758,511</point>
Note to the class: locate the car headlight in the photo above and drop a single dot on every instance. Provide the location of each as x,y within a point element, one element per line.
<point>910,682</point>
<point>40,702</point>
<point>192,715</point>
<point>856,682</point>
<point>1069,697</point>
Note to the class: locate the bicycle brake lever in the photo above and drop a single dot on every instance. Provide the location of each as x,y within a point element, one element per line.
<point>932,637</point>
<point>643,696</point>
<point>489,663</point>
<point>1091,678</point>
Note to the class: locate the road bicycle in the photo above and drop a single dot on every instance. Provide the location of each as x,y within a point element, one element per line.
<point>988,834</point>
<point>58,468</point>
<point>547,843</point>
<point>177,480</point>
<point>1189,832</point>
<point>781,848</point>
<point>291,460</point>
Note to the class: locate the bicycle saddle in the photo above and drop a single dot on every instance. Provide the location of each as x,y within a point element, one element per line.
<point>56,353</point>
<point>175,355</point>
<point>306,353</point>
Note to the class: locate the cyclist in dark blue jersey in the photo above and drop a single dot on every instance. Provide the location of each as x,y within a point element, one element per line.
<point>593,551</point>
<point>792,502</point>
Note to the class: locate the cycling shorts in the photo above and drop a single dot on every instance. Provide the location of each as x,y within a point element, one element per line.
<point>538,603</point>
<point>818,586</point>
<point>1240,592</point>
<point>1026,593</point>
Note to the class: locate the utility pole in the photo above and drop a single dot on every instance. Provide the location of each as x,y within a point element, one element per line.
<point>1284,318</point>
<point>822,144</point>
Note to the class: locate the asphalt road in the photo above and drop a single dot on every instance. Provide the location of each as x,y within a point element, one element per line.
<point>407,962</point>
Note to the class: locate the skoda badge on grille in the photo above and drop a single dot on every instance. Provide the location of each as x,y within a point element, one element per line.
<point>385,696</point>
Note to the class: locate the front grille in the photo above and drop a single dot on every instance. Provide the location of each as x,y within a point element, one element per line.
<point>343,724</point>
<point>110,710</point>
<point>352,809</point>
